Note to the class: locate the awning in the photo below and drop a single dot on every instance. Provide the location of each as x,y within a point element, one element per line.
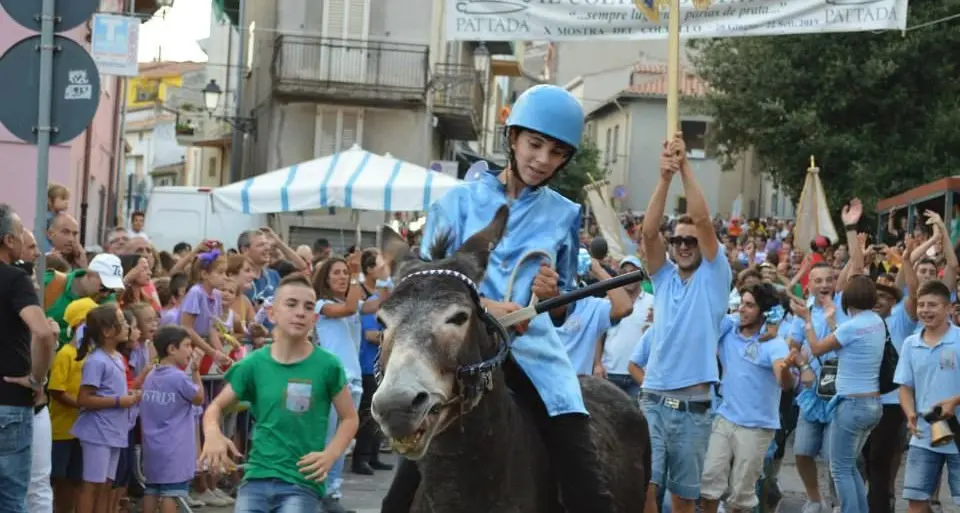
<point>354,179</point>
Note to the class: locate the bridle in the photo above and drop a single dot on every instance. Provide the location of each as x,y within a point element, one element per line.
<point>475,379</point>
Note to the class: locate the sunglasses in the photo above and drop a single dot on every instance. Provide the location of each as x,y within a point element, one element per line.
<point>688,241</point>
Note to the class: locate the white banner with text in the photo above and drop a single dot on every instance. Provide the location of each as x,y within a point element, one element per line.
<point>557,20</point>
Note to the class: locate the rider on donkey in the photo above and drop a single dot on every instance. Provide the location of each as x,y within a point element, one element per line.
<point>543,132</point>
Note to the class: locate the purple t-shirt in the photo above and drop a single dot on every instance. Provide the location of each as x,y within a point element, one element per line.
<point>168,426</point>
<point>139,359</point>
<point>107,426</point>
<point>206,308</point>
<point>170,317</point>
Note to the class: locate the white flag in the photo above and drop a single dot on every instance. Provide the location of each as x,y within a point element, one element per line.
<point>813,213</point>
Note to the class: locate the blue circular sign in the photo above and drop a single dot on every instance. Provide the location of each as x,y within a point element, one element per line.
<point>70,13</point>
<point>76,89</point>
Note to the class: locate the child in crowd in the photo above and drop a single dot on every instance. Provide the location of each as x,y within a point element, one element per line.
<point>202,305</point>
<point>105,402</point>
<point>167,419</point>
<point>170,292</point>
<point>128,344</point>
<point>199,315</point>
<point>58,201</point>
<point>142,352</point>
<point>290,385</point>
<point>65,374</point>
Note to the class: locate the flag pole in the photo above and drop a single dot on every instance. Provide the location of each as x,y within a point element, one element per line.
<point>673,69</point>
<point>816,197</point>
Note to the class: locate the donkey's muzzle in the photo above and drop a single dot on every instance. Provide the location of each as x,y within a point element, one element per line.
<point>401,411</point>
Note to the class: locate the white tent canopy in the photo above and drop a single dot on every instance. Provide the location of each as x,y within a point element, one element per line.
<point>354,179</point>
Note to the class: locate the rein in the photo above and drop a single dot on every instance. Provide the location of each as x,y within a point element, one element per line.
<point>475,379</point>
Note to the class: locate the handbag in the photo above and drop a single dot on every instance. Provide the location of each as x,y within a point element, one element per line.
<point>888,365</point>
<point>827,380</point>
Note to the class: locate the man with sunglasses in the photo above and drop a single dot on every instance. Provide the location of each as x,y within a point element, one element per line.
<point>689,305</point>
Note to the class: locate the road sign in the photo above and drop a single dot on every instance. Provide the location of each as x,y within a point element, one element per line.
<point>76,89</point>
<point>113,44</point>
<point>71,13</point>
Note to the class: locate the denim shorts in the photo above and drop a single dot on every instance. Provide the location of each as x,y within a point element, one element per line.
<point>922,474</point>
<point>678,446</point>
<point>811,438</point>
<point>16,439</point>
<point>67,460</point>
<point>276,496</point>
<point>167,489</point>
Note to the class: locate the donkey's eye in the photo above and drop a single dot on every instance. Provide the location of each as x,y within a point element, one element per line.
<point>459,318</point>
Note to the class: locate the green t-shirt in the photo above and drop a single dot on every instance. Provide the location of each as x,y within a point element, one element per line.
<point>59,307</point>
<point>291,403</point>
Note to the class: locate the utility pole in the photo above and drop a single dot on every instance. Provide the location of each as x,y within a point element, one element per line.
<point>236,142</point>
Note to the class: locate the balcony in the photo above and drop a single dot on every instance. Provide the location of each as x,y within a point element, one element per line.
<point>349,72</point>
<point>457,101</point>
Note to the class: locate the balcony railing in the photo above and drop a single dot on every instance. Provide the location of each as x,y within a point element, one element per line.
<point>457,100</point>
<point>364,73</point>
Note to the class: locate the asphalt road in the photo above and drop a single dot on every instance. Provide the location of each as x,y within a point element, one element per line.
<point>363,493</point>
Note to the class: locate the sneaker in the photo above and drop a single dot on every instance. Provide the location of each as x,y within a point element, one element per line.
<point>813,507</point>
<point>194,502</point>
<point>212,499</point>
<point>332,505</point>
<point>223,495</point>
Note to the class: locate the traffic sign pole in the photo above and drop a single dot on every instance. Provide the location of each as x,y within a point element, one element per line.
<point>44,128</point>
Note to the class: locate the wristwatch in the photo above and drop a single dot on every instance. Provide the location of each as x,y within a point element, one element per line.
<point>36,385</point>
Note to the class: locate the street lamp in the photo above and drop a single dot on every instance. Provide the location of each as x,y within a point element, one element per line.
<point>211,96</point>
<point>211,99</point>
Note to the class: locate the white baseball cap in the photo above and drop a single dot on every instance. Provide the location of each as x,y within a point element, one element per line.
<point>109,269</point>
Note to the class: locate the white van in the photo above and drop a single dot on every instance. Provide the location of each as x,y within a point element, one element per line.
<point>186,214</point>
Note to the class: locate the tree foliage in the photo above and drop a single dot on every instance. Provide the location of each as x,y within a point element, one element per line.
<point>880,111</point>
<point>572,178</point>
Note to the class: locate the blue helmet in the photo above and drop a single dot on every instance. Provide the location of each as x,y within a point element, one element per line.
<point>550,110</point>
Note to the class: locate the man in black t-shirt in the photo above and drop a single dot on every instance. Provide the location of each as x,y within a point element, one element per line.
<point>27,345</point>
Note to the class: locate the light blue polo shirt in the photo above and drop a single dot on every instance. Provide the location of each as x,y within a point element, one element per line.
<point>861,338</point>
<point>900,326</point>
<point>686,327</point>
<point>641,353</point>
<point>751,394</point>
<point>933,375</point>
<point>588,319</point>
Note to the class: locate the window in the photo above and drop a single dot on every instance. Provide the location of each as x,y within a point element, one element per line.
<point>606,148</point>
<point>695,137</point>
<point>212,167</point>
<point>681,204</point>
<point>616,139</point>
<point>775,204</point>
<point>336,131</point>
<point>148,92</point>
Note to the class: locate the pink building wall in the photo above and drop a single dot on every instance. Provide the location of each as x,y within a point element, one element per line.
<point>18,160</point>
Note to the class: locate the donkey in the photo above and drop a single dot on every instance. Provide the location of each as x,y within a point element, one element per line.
<point>443,402</point>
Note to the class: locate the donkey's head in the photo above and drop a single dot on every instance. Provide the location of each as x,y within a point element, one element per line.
<point>434,330</point>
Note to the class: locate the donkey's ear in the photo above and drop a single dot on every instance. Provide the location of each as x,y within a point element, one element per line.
<point>394,249</point>
<point>479,247</point>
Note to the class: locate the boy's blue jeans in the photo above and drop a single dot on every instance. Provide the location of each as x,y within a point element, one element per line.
<point>275,496</point>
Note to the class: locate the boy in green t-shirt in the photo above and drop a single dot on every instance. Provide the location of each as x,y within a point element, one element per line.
<point>290,385</point>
